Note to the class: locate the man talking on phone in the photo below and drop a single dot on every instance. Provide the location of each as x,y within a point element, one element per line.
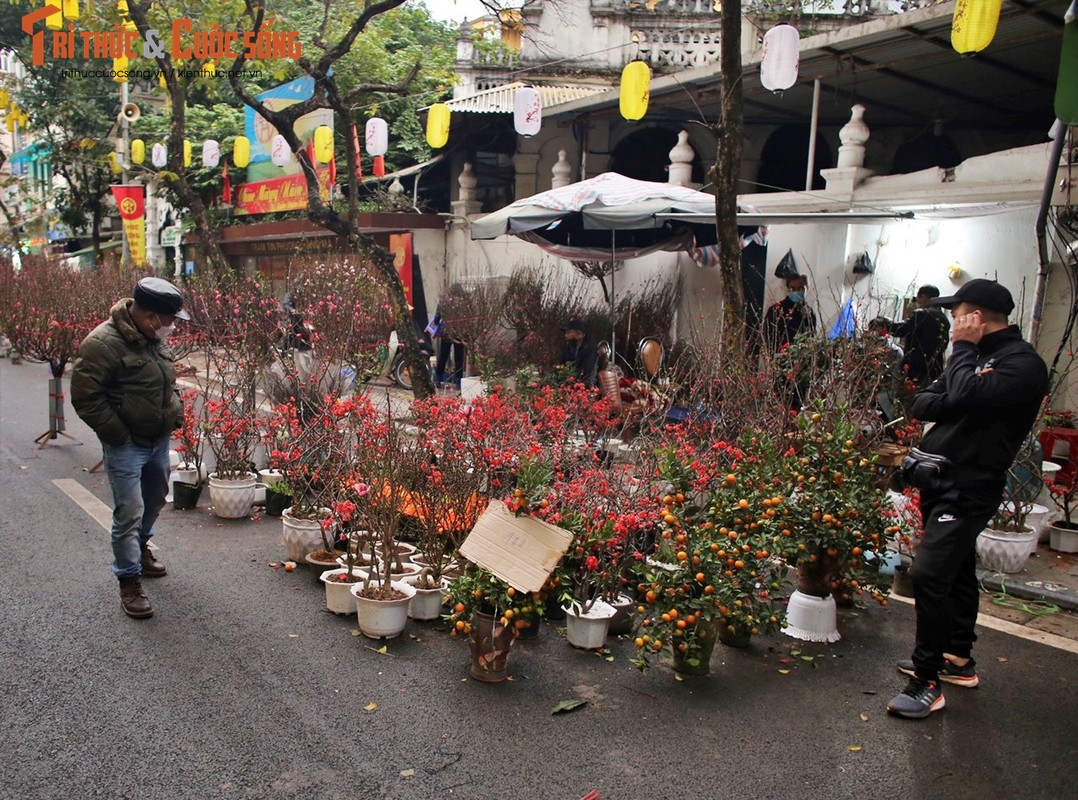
<point>981,409</point>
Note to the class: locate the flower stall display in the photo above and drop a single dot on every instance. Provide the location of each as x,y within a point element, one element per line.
<point>189,440</point>
<point>232,437</point>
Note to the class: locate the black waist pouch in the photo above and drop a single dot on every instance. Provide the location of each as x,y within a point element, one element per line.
<point>923,470</point>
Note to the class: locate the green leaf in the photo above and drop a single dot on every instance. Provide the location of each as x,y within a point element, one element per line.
<point>807,658</point>
<point>568,705</point>
<point>692,662</point>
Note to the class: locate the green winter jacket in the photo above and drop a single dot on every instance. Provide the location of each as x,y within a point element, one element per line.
<point>123,385</point>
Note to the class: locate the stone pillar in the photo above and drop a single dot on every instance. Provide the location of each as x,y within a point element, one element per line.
<point>562,171</point>
<point>850,172</point>
<point>525,164</point>
<point>466,203</point>
<point>681,161</point>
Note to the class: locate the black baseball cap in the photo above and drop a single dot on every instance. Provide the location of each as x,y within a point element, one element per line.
<point>979,292</point>
<point>159,296</point>
<point>575,324</point>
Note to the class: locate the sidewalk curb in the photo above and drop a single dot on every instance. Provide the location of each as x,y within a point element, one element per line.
<point>1060,595</point>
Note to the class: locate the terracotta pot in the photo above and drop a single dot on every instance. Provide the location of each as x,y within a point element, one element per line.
<point>697,659</point>
<point>490,644</point>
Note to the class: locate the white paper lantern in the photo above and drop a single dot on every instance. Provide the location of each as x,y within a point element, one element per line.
<point>527,111</point>
<point>280,152</point>
<point>376,136</point>
<point>780,59</point>
<point>159,155</point>
<point>211,153</point>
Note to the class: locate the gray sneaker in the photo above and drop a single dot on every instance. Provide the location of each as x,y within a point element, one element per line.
<point>918,700</point>
<point>951,672</point>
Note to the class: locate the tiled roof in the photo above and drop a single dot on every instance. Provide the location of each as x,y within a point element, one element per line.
<point>499,100</point>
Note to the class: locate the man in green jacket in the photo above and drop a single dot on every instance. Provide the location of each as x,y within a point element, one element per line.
<point>124,387</point>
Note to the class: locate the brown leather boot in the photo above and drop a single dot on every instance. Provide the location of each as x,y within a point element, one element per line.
<point>133,599</point>
<point>151,567</point>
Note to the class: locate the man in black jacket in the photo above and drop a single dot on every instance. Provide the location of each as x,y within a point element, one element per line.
<point>924,338</point>
<point>123,386</point>
<point>983,408</point>
<point>580,353</point>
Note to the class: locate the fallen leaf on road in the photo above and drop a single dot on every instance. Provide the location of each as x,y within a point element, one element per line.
<point>357,632</point>
<point>864,717</point>
<point>1001,660</point>
<point>784,672</point>
<point>678,678</point>
<point>293,636</point>
<point>383,650</point>
<point>854,748</point>
<point>407,773</point>
<point>807,658</point>
<point>784,661</point>
<point>370,706</point>
<point>568,705</point>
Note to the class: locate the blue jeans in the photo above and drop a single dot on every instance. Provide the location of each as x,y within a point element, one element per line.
<point>139,479</point>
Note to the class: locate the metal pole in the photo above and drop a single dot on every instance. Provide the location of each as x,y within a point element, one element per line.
<point>1040,228</point>
<point>613,308</point>
<point>809,170</point>
<point>124,165</point>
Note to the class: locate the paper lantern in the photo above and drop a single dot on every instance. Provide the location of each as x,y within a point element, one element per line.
<point>1066,104</point>
<point>280,152</point>
<point>376,136</point>
<point>438,125</point>
<point>241,152</point>
<point>120,66</point>
<point>527,111</point>
<point>121,7</point>
<point>114,164</point>
<point>781,58</point>
<point>138,151</point>
<point>9,123</point>
<point>54,22</point>
<point>323,144</point>
<point>71,9</point>
<point>635,90</point>
<point>974,24</point>
<point>211,154</point>
<point>159,155</point>
<point>5,98</point>
<point>379,166</point>
<point>186,153</point>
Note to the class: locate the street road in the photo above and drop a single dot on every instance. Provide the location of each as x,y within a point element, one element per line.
<point>242,686</point>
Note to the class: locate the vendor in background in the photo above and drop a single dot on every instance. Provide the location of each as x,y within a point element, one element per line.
<point>446,347</point>
<point>785,321</point>
<point>924,338</point>
<point>580,352</point>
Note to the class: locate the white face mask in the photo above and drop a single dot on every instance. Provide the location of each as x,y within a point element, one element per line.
<point>165,331</point>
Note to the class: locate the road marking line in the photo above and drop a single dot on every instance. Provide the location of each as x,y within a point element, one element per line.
<point>1014,629</point>
<point>85,500</point>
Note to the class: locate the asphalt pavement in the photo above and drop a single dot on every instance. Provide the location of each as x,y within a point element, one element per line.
<point>242,686</point>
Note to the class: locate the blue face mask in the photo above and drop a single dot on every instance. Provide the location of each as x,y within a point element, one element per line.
<point>795,297</point>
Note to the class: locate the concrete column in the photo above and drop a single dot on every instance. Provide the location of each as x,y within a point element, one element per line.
<point>466,204</point>
<point>681,157</point>
<point>850,172</point>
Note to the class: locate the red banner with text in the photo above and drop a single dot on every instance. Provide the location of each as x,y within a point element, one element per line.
<point>129,200</point>
<point>278,194</point>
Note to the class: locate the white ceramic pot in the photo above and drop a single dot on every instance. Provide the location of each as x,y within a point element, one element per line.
<point>232,499</point>
<point>383,619</point>
<point>622,621</point>
<point>301,536</point>
<point>812,619</point>
<point>185,474</point>
<point>587,630</point>
<point>339,599</point>
<point>1063,539</point>
<point>1004,551</point>
<point>1038,517</point>
<point>427,603</point>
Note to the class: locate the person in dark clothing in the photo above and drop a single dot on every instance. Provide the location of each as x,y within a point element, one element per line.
<point>580,352</point>
<point>785,321</point>
<point>924,338</point>
<point>297,336</point>
<point>124,387</point>
<point>446,347</point>
<point>983,407</point>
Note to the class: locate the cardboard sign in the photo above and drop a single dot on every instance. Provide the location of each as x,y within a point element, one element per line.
<point>522,551</point>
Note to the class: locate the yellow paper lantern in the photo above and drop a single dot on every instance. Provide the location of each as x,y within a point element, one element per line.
<point>241,152</point>
<point>54,22</point>
<point>323,144</point>
<point>71,9</point>
<point>186,153</point>
<point>974,24</point>
<point>114,164</point>
<point>10,124</point>
<point>5,98</point>
<point>438,125</point>
<point>635,90</point>
<point>138,151</point>
<point>121,7</point>
<point>120,65</point>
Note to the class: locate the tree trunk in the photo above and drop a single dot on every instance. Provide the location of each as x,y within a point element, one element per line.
<point>725,174</point>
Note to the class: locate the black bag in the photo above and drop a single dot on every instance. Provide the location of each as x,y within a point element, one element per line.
<point>923,470</point>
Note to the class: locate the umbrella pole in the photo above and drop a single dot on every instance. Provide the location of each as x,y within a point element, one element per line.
<point>613,321</point>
